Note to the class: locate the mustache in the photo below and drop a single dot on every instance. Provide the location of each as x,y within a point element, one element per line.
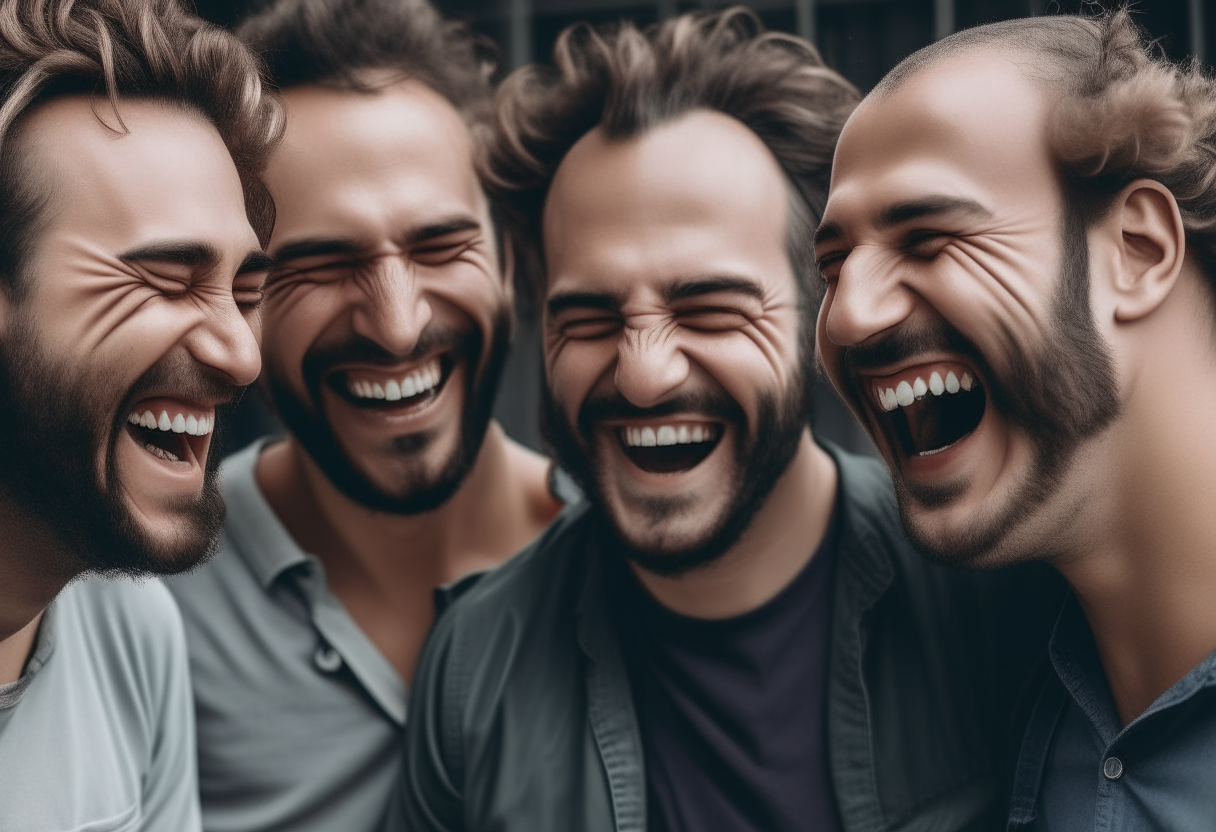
<point>360,350</point>
<point>183,377</point>
<point>905,343</point>
<point>615,406</point>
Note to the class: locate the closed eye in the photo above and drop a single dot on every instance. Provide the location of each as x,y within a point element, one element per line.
<point>439,252</point>
<point>589,328</point>
<point>925,243</point>
<point>712,319</point>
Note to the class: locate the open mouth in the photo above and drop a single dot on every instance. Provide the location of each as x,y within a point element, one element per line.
<point>668,447</point>
<point>928,410</point>
<point>366,388</point>
<point>171,430</point>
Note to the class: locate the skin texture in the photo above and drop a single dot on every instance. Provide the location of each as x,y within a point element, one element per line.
<point>385,260</point>
<point>669,286</point>
<point>144,286</point>
<point>1126,519</point>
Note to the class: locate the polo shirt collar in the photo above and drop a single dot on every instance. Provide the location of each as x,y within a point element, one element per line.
<point>263,541</point>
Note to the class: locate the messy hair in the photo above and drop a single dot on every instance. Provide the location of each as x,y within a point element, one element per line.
<point>1123,112</point>
<point>345,44</point>
<point>149,49</point>
<point>626,82</point>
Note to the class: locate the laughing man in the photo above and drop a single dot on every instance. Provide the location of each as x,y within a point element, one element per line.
<point>1020,250</point>
<point>131,138</point>
<point>732,633</point>
<point>387,317</point>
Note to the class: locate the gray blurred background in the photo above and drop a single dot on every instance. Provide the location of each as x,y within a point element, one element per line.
<point>862,39</point>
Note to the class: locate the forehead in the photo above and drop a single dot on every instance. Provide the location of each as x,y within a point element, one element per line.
<point>168,176</point>
<point>696,195</point>
<point>972,125</point>
<point>361,164</point>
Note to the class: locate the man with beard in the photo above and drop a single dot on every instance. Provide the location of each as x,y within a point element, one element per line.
<point>1020,256</point>
<point>132,136</point>
<point>387,318</point>
<point>731,633</point>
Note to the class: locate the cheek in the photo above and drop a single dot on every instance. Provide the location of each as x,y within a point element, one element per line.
<point>573,369</point>
<point>292,323</point>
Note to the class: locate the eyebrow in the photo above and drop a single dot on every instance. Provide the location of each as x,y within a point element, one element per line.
<point>442,229</point>
<point>902,212</point>
<point>343,247</point>
<point>562,301</point>
<point>314,247</point>
<point>915,209</point>
<point>827,232</point>
<point>255,261</point>
<point>708,285</point>
<point>191,254</point>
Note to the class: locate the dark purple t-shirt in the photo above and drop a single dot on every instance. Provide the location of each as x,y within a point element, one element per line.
<point>732,712</point>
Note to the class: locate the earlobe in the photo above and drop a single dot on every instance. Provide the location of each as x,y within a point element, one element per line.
<point>1151,248</point>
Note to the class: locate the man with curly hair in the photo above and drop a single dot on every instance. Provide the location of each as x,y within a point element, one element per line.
<point>387,321</point>
<point>132,140</point>
<point>1020,256</point>
<point>731,632</point>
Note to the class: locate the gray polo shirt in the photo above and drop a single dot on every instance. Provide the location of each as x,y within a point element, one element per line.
<point>98,734</point>
<point>1080,769</point>
<point>300,717</point>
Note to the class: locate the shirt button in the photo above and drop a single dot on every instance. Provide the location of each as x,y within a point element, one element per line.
<point>1112,768</point>
<point>327,659</point>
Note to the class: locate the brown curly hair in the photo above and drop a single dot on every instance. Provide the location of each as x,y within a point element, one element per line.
<point>150,49</point>
<point>625,82</point>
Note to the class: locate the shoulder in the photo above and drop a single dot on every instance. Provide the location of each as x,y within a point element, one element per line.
<point>517,621</point>
<point>140,610</point>
<point>538,580</point>
<point>124,632</point>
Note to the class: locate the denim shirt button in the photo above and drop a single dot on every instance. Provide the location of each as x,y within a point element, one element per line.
<point>327,659</point>
<point>1112,768</point>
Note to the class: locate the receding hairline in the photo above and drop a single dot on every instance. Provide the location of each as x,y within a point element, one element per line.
<point>1020,41</point>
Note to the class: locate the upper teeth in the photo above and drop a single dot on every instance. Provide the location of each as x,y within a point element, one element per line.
<point>191,424</point>
<point>413,384</point>
<point>649,437</point>
<point>903,394</point>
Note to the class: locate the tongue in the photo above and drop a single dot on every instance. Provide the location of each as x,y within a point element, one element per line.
<point>936,422</point>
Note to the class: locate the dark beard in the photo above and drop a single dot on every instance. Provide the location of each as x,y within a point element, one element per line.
<point>306,422</point>
<point>53,430</point>
<point>1059,399</point>
<point>759,463</point>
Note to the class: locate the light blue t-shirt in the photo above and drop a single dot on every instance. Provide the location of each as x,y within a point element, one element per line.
<point>98,733</point>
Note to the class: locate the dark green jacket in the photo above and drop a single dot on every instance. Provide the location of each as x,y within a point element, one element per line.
<point>521,718</point>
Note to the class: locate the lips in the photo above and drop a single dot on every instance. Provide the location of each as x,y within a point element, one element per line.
<point>929,408</point>
<point>375,387</point>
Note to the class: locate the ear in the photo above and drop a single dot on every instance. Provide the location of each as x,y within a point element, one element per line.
<point>1150,248</point>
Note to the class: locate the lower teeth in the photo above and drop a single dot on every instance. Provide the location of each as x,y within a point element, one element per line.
<point>161,452</point>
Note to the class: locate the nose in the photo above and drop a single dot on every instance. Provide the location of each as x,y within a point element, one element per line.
<point>868,297</point>
<point>229,343</point>
<point>393,311</point>
<point>649,366</point>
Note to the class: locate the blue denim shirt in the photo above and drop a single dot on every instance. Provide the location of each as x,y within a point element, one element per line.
<point>1080,769</point>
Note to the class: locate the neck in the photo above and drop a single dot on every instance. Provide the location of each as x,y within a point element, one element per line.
<point>1147,578</point>
<point>385,567</point>
<point>30,578</point>
<point>778,544</point>
<point>489,511</point>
